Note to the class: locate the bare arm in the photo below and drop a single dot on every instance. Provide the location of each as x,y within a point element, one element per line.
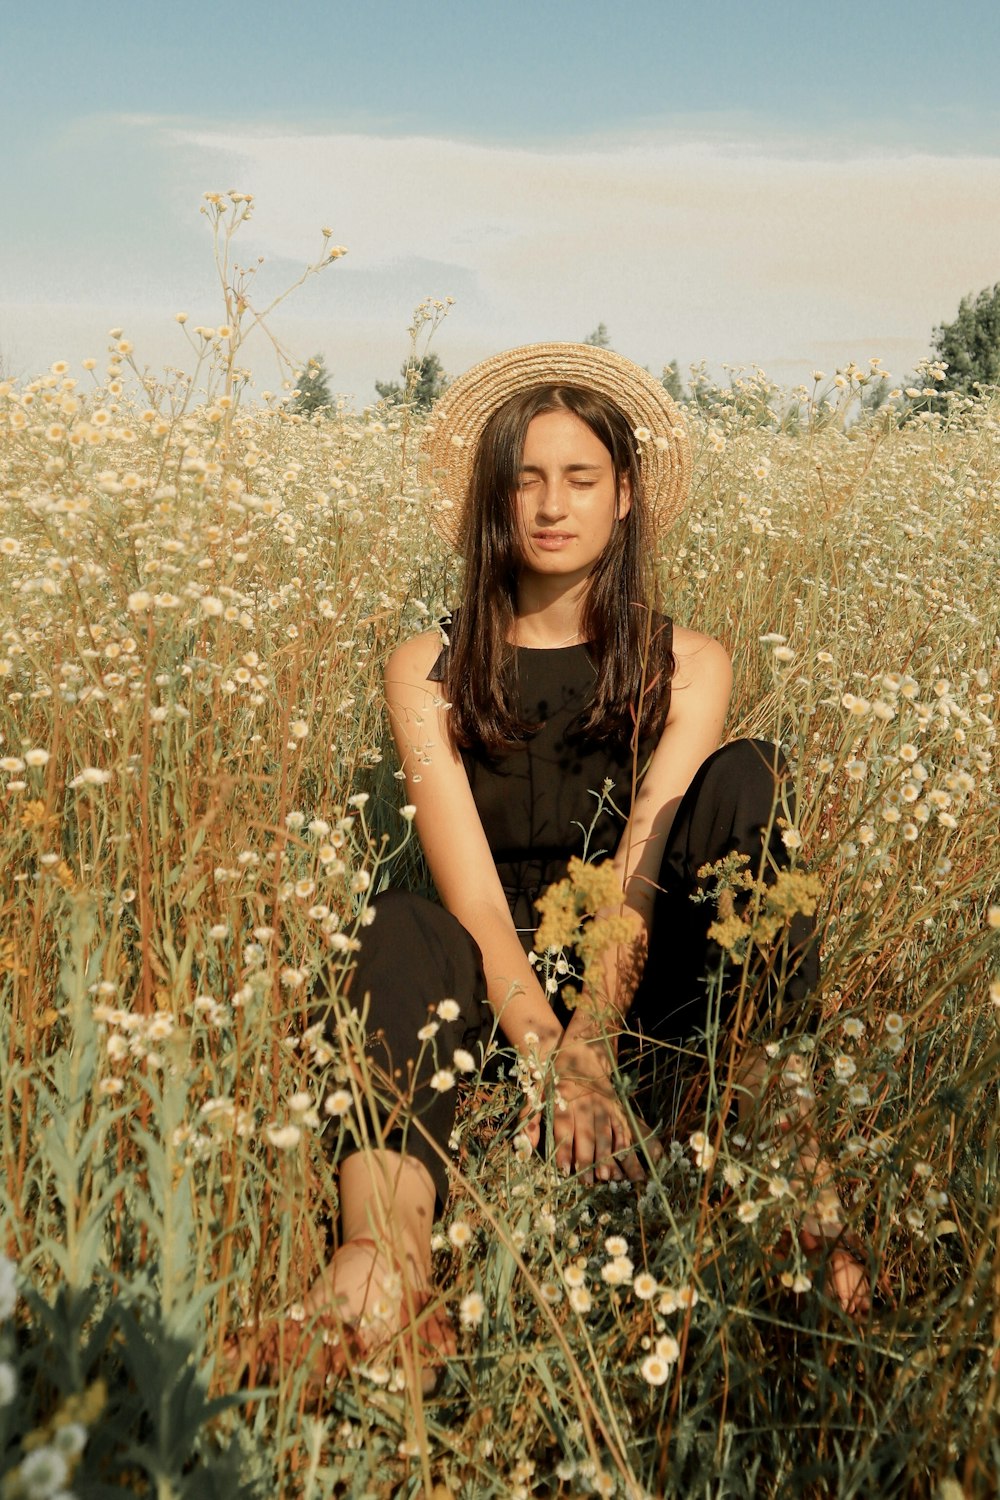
<point>455,845</point>
<point>590,1124</point>
<point>698,703</point>
<point>593,1128</point>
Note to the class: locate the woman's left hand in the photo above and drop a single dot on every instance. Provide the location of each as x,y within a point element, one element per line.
<point>593,1133</point>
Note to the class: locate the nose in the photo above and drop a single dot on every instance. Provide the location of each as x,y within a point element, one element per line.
<point>551,502</point>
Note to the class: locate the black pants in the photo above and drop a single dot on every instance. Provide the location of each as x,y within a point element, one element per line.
<point>416,954</point>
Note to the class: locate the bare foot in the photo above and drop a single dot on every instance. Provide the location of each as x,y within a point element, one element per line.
<point>847,1280</point>
<point>389,1304</point>
<point>360,1310</point>
<point>846,1276</point>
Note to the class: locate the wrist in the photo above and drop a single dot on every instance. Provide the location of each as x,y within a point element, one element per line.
<point>585,1057</point>
<point>594,1019</point>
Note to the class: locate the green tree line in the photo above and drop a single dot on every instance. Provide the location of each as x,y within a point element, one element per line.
<point>966,353</point>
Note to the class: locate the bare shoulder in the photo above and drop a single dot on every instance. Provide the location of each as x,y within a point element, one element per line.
<point>411,661</point>
<point>699,657</point>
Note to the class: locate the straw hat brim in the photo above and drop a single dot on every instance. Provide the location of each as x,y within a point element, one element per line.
<point>451,437</point>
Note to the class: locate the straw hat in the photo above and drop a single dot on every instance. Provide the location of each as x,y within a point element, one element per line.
<point>448,446</point>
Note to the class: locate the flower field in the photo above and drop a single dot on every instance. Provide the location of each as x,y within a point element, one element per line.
<point>197,593</point>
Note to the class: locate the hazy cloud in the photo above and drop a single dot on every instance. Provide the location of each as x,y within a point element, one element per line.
<point>720,250</point>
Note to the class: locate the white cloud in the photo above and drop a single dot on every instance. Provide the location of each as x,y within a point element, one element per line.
<point>698,250</point>
<point>784,257</point>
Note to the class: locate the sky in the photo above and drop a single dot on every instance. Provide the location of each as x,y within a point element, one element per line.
<point>774,184</point>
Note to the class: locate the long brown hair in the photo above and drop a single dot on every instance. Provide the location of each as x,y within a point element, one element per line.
<point>630,652</point>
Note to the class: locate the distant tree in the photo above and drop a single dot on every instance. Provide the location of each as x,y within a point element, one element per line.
<point>970,344</point>
<point>671,380</point>
<point>313,387</point>
<point>875,395</point>
<point>424,380</point>
<point>599,338</point>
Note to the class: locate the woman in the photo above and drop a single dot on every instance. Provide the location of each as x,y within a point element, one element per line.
<point>561,464</point>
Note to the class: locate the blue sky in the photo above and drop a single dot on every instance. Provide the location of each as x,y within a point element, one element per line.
<point>787,184</point>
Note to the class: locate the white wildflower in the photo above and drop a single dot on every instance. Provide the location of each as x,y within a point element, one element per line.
<point>43,1472</point>
<point>459,1233</point>
<point>844,1068</point>
<point>668,1348</point>
<point>70,1439</point>
<point>655,1370</point>
<point>471,1310</point>
<point>617,1272</point>
<point>91,776</point>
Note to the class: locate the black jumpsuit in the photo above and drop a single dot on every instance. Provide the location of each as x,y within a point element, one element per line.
<point>540,805</point>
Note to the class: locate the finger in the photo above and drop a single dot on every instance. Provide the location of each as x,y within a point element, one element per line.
<point>859,1303</point>
<point>563,1139</point>
<point>645,1142</point>
<point>633,1166</point>
<point>622,1147</point>
<point>604,1145</point>
<point>651,1143</point>
<point>629,1162</point>
<point>849,1284</point>
<point>584,1146</point>
<point>529,1124</point>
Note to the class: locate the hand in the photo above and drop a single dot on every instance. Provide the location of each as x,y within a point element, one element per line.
<point>591,1129</point>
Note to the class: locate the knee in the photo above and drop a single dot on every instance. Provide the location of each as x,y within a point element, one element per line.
<point>745,783</point>
<point>405,919</point>
<point>751,759</point>
<point>397,914</point>
<point>420,943</point>
<point>742,769</point>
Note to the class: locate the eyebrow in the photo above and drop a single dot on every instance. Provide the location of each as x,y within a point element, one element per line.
<point>569,469</point>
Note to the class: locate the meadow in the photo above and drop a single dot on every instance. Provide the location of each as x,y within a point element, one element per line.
<point>198,588</point>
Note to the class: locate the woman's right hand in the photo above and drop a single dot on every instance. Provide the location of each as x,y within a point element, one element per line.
<point>591,1129</point>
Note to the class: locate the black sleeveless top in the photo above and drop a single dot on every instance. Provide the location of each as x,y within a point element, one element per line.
<point>541,803</point>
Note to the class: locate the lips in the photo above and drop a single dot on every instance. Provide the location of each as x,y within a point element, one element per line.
<point>551,541</point>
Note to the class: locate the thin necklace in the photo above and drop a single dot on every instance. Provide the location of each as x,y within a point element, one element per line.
<point>569,641</point>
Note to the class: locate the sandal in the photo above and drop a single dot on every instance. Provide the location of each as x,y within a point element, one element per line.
<point>333,1345</point>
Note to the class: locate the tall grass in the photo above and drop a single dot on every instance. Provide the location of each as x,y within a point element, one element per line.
<point>196,598</point>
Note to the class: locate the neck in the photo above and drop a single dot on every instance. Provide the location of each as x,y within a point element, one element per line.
<point>549,613</point>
